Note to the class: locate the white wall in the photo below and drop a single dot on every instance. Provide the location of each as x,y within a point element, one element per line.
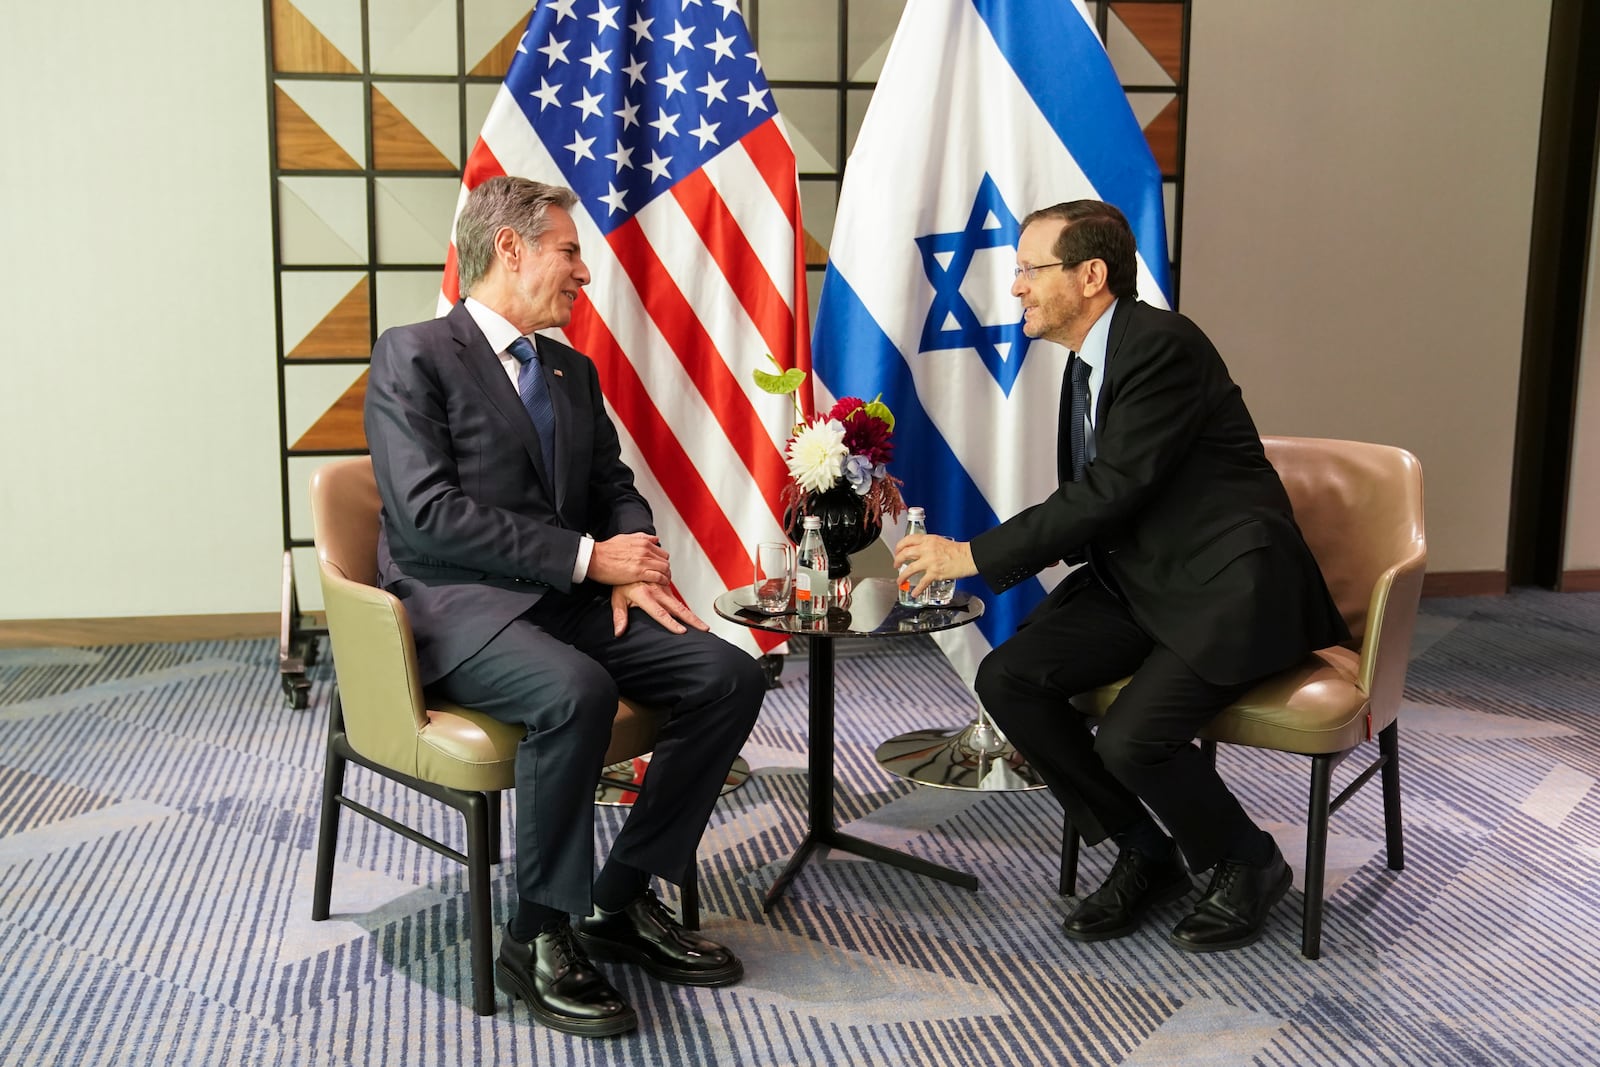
<point>1356,230</point>
<point>140,417</point>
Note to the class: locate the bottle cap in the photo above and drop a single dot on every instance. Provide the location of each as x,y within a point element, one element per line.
<point>811,522</point>
<point>915,514</point>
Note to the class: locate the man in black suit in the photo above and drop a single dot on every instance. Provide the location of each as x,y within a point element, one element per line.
<point>1198,584</point>
<point>538,592</point>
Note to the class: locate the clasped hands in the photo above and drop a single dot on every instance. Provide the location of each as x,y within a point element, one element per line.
<point>636,568</point>
<point>935,558</point>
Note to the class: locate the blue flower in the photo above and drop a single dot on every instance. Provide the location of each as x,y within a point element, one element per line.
<point>858,472</point>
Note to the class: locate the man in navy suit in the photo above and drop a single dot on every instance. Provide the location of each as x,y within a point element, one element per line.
<point>1198,584</point>
<point>538,592</point>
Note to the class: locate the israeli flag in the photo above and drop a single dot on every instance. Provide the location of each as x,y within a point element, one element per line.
<point>986,110</point>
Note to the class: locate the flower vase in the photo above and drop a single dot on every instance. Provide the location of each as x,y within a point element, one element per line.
<point>846,529</point>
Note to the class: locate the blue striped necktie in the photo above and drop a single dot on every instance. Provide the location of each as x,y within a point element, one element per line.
<point>536,398</point>
<point>1079,416</point>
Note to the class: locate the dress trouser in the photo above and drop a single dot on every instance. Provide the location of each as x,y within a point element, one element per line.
<point>557,671</point>
<point>1082,637</point>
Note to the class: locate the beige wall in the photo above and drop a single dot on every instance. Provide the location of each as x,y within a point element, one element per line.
<point>140,428</point>
<point>1581,550</point>
<point>1356,227</point>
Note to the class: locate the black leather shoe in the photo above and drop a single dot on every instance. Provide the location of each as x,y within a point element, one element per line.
<point>646,933</point>
<point>1233,910</point>
<point>563,988</point>
<point>1136,884</point>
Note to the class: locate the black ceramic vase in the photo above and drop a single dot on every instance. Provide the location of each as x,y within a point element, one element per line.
<point>846,527</point>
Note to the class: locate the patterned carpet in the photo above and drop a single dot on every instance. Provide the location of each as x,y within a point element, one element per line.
<point>158,810</point>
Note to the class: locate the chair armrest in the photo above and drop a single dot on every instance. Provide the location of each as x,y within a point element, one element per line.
<point>1386,646</point>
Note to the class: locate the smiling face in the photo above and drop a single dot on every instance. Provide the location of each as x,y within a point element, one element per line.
<point>1061,301</point>
<point>543,277</point>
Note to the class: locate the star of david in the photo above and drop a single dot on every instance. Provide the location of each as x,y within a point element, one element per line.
<point>952,322</point>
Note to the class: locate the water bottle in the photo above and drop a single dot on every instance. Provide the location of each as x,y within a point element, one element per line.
<point>916,523</point>
<point>811,571</point>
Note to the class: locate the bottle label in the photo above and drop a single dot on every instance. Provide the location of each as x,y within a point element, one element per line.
<point>811,592</point>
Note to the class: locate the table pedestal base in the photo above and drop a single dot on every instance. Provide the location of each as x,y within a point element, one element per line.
<point>833,839</point>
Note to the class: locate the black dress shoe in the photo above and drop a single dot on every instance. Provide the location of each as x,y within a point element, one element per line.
<point>1136,884</point>
<point>646,933</point>
<point>563,988</point>
<point>1233,910</point>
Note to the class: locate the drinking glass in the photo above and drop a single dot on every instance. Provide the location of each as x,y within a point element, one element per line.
<point>774,575</point>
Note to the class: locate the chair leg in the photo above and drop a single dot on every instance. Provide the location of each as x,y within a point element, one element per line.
<point>1316,856</point>
<point>496,813</point>
<point>1068,884</point>
<point>1389,746</point>
<point>328,829</point>
<point>476,810</point>
<point>689,896</point>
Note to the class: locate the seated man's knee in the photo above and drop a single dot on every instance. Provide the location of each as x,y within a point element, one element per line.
<point>995,678</point>
<point>1129,752</point>
<point>743,677</point>
<point>588,696</point>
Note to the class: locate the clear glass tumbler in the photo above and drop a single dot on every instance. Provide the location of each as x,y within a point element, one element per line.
<point>774,576</point>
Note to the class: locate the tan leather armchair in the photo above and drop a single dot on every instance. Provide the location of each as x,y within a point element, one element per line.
<point>1360,508</point>
<point>379,718</point>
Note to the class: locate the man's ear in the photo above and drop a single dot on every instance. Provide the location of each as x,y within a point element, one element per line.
<point>1094,277</point>
<point>508,247</point>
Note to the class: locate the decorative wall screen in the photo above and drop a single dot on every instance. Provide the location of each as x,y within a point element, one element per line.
<point>373,105</point>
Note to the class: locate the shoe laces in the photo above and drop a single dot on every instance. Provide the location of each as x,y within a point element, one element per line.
<point>659,911</point>
<point>1227,874</point>
<point>1128,870</point>
<point>567,950</point>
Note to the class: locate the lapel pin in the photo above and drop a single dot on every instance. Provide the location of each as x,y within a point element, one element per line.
<point>558,372</point>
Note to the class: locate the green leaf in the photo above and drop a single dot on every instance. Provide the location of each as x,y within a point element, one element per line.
<point>779,384</point>
<point>879,410</point>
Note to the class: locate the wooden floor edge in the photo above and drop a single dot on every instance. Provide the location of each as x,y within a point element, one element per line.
<point>1580,581</point>
<point>1465,583</point>
<point>137,629</point>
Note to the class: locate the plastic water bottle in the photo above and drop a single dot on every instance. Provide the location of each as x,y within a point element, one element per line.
<point>811,571</point>
<point>916,523</point>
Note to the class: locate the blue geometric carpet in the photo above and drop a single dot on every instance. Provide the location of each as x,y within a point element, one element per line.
<point>158,808</point>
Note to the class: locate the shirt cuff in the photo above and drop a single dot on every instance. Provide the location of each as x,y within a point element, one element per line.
<point>580,566</point>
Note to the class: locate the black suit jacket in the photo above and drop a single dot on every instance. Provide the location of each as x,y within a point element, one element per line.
<point>474,531</point>
<point>1180,510</point>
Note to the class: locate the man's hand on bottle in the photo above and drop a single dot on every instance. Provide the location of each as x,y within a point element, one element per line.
<point>933,557</point>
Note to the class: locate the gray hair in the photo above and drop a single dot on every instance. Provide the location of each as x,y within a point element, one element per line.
<point>520,203</point>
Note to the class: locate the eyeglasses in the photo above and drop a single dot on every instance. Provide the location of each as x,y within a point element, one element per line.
<point>1033,271</point>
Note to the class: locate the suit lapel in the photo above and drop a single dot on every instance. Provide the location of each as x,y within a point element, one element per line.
<point>490,375</point>
<point>1108,378</point>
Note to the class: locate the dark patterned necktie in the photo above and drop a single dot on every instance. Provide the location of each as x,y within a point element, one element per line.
<point>1078,417</point>
<point>536,398</point>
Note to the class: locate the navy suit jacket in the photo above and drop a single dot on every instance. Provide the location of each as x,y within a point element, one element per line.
<point>1180,510</point>
<point>474,529</point>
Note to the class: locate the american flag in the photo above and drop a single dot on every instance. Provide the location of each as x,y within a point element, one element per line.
<point>657,113</point>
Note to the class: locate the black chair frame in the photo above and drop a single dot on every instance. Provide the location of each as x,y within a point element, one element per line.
<point>1319,810</point>
<point>481,810</point>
